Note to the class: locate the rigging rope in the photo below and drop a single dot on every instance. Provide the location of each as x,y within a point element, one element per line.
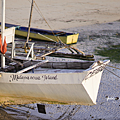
<point>111,71</point>
<point>57,38</point>
<point>40,13</point>
<point>113,67</point>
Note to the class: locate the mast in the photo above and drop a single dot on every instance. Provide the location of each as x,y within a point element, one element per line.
<point>29,23</point>
<point>2,31</point>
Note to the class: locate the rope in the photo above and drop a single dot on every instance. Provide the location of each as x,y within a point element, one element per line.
<point>113,67</point>
<point>40,13</point>
<point>111,71</point>
<point>57,38</point>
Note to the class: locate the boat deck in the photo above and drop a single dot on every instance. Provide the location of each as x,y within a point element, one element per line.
<point>22,59</point>
<point>46,70</point>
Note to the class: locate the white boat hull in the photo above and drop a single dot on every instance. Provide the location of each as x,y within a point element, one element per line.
<point>69,88</point>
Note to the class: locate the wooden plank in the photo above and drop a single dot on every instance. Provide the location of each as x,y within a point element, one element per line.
<point>31,67</point>
<point>9,68</point>
<point>52,52</point>
<point>74,56</point>
<point>12,59</point>
<point>67,65</point>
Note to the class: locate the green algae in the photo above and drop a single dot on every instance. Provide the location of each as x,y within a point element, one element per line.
<point>112,52</point>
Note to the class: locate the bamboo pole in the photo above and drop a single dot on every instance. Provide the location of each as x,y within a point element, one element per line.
<point>29,24</point>
<point>32,67</point>
<point>2,32</point>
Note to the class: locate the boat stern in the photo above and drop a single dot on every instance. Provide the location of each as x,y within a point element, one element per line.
<point>71,39</point>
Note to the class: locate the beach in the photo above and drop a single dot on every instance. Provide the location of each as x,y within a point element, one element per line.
<point>98,23</point>
<point>62,14</point>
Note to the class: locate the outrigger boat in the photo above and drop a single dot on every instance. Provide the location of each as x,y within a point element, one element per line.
<point>25,79</point>
<point>46,35</point>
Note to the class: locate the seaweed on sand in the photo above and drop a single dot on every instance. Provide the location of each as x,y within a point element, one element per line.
<point>112,52</point>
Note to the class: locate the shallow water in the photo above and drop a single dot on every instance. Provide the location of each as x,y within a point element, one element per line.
<point>108,107</point>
